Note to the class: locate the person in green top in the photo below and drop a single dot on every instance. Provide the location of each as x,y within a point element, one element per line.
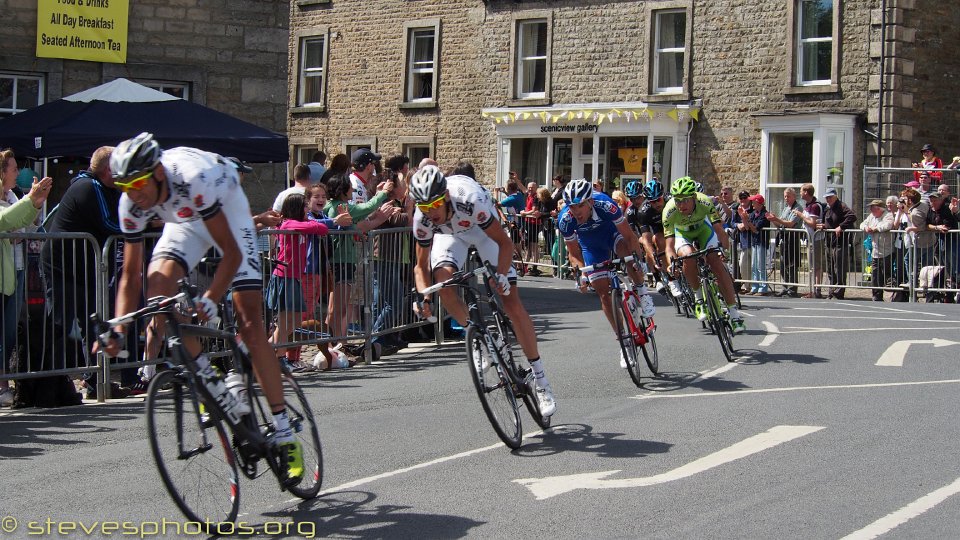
<point>344,257</point>
<point>690,223</point>
<point>12,217</point>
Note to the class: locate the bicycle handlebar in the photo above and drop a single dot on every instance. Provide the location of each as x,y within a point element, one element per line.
<point>608,264</point>
<point>698,254</point>
<point>105,329</point>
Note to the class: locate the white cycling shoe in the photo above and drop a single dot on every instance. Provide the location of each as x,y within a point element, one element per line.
<point>548,404</point>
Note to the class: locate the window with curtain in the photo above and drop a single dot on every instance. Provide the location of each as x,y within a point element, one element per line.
<point>312,71</point>
<point>19,93</point>
<point>421,64</point>
<point>532,53</point>
<point>815,41</point>
<point>669,51</point>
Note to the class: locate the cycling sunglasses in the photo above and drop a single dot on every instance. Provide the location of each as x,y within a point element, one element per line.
<point>135,184</point>
<point>435,203</point>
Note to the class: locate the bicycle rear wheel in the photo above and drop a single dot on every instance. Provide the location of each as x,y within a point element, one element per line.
<point>494,388</point>
<point>649,349</point>
<point>628,343</point>
<point>305,431</point>
<point>192,451</point>
<point>529,394</point>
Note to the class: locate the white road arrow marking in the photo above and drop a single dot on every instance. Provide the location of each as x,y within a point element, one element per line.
<point>772,333</point>
<point>544,488</point>
<point>896,352</point>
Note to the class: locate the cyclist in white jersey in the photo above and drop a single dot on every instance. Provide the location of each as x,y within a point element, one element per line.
<point>198,196</point>
<point>454,213</point>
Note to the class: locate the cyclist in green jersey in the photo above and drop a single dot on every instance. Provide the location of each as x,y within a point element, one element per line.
<point>690,223</point>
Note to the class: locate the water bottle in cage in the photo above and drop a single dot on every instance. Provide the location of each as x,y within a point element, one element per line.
<point>497,340</point>
<point>233,407</point>
<point>633,304</point>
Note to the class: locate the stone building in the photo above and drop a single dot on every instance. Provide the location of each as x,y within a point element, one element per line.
<point>230,55</point>
<point>759,94</point>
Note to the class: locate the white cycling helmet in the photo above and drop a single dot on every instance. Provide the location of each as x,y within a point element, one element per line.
<point>134,156</point>
<point>427,184</point>
<point>577,191</point>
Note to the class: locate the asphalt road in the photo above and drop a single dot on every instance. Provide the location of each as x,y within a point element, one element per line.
<point>804,436</point>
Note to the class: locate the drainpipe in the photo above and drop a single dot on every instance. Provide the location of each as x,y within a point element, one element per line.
<point>883,76</point>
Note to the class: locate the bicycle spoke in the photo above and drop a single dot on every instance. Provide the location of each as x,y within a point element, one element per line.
<point>495,393</point>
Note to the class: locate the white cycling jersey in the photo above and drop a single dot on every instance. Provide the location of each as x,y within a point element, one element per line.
<point>200,186</point>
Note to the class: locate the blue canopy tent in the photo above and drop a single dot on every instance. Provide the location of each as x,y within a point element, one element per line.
<point>107,114</point>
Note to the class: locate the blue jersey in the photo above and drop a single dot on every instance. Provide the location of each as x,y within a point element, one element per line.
<point>600,227</point>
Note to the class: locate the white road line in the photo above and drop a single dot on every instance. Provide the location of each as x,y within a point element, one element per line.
<point>897,351</point>
<point>865,318</point>
<point>794,389</point>
<point>891,521</point>
<point>388,474</point>
<point>772,333</point>
<point>897,310</point>
<point>544,488</point>
<point>809,330</point>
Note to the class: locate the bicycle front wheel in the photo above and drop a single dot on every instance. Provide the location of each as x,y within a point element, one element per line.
<point>718,323</point>
<point>305,431</point>
<point>493,388</point>
<point>649,348</point>
<point>628,342</point>
<point>529,392</point>
<point>192,451</point>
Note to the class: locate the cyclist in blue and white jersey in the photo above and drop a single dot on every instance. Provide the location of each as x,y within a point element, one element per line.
<point>593,228</point>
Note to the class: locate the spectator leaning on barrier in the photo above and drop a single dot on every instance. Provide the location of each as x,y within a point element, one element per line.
<point>837,218</point>
<point>788,239</point>
<point>531,226</point>
<point>392,257</point>
<point>941,221</point>
<point>757,225</point>
<point>921,241</point>
<point>741,228</point>
<point>812,215</point>
<point>878,224</point>
<point>12,217</point>
<point>925,186</point>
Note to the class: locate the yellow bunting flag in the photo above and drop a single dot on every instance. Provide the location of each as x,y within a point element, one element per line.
<point>672,113</point>
<point>695,114</point>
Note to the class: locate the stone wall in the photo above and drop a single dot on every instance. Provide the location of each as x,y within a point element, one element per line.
<point>232,52</point>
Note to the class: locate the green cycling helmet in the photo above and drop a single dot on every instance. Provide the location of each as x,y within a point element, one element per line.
<point>683,187</point>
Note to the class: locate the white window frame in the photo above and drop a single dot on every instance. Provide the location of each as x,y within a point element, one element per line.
<point>303,38</point>
<point>821,127</point>
<point>522,60</point>
<point>657,51</point>
<point>414,70</point>
<point>17,77</point>
<point>800,41</point>
<point>164,86</point>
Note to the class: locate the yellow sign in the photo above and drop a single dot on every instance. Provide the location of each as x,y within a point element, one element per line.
<point>94,30</point>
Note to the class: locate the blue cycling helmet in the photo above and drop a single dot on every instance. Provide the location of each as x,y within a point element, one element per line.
<point>634,189</point>
<point>699,187</point>
<point>653,190</point>
<point>577,191</point>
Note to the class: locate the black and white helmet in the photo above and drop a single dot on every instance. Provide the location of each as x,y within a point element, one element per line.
<point>427,184</point>
<point>134,156</point>
<point>577,191</point>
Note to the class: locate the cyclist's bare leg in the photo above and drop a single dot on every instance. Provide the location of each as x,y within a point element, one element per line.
<point>522,323</point>
<point>622,249</point>
<point>249,305</point>
<point>602,286</point>
<point>723,277</point>
<point>452,303</point>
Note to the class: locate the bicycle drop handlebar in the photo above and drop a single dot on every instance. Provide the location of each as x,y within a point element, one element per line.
<point>157,304</point>
<point>606,265</point>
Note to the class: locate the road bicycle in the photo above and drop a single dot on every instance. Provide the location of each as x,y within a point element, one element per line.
<point>187,426</point>
<point>718,319</point>
<point>635,333</point>
<point>680,303</point>
<point>490,342</point>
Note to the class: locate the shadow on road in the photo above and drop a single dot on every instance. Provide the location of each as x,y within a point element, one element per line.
<point>353,514</point>
<point>753,357</point>
<point>673,381</point>
<point>26,434</point>
<point>581,438</point>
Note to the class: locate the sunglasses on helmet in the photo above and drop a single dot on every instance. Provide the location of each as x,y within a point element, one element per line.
<point>433,204</point>
<point>135,184</point>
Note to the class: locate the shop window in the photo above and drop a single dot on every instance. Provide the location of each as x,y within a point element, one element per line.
<point>19,93</point>
<point>421,62</point>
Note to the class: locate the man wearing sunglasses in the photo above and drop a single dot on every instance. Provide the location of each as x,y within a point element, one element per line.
<point>198,196</point>
<point>453,214</point>
<point>593,226</point>
<point>691,223</point>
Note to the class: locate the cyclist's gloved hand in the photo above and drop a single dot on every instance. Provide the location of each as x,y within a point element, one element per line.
<point>504,283</point>
<point>583,283</point>
<point>205,308</point>
<point>111,343</point>
<point>423,308</point>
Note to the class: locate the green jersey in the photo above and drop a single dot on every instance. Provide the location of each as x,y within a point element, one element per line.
<point>698,223</point>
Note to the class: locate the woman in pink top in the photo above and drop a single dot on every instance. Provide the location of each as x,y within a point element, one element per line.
<point>284,295</point>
